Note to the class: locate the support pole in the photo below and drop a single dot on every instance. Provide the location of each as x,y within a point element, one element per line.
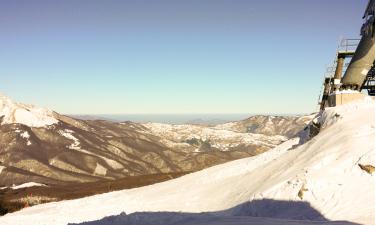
<point>339,67</point>
<point>324,102</point>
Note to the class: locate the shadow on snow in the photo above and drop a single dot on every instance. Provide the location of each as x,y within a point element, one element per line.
<point>260,212</point>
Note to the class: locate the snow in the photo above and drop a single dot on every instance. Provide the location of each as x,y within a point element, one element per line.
<point>24,114</point>
<point>2,168</point>
<point>26,185</point>
<point>69,135</point>
<point>168,218</point>
<point>345,92</point>
<point>322,175</point>
<point>112,163</point>
<point>226,126</point>
<point>76,145</point>
<point>26,136</point>
<point>100,170</point>
<point>267,125</point>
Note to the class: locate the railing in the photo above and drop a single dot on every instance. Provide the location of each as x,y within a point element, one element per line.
<point>344,46</point>
<point>348,45</point>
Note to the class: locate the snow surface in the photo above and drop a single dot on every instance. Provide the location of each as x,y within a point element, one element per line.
<point>25,135</point>
<point>26,185</point>
<point>345,92</point>
<point>69,135</point>
<point>100,170</point>
<point>24,114</point>
<point>323,173</point>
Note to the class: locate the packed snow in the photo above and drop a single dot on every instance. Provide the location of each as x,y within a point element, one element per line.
<point>322,175</point>
<point>28,115</point>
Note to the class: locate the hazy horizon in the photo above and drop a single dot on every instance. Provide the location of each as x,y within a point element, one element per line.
<point>168,56</point>
<point>196,118</point>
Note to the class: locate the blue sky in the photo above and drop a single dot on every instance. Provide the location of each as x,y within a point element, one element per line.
<point>171,56</point>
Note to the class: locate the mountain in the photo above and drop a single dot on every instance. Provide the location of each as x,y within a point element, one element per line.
<point>288,126</point>
<point>28,115</point>
<point>195,138</point>
<point>42,146</point>
<point>327,179</point>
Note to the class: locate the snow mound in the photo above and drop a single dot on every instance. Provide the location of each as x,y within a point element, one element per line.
<point>323,174</point>
<point>29,115</point>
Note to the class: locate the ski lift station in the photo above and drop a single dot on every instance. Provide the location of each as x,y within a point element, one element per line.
<point>352,73</point>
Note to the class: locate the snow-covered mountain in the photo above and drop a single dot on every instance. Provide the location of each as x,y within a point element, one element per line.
<point>329,178</point>
<point>11,112</point>
<point>41,146</point>
<point>204,139</point>
<point>288,126</point>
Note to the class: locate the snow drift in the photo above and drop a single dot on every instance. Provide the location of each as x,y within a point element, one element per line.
<point>324,174</point>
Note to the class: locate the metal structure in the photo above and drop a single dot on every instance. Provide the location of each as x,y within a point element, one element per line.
<point>364,56</point>
<point>369,83</point>
<point>333,75</point>
<point>360,72</point>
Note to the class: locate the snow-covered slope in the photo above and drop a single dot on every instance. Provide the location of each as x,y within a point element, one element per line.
<point>11,112</point>
<point>325,173</point>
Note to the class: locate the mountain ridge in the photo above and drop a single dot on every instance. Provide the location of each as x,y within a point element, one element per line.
<point>51,148</point>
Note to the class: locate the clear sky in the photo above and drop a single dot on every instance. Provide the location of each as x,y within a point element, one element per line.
<point>171,56</point>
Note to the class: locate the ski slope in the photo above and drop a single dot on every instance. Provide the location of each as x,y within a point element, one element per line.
<point>318,180</point>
